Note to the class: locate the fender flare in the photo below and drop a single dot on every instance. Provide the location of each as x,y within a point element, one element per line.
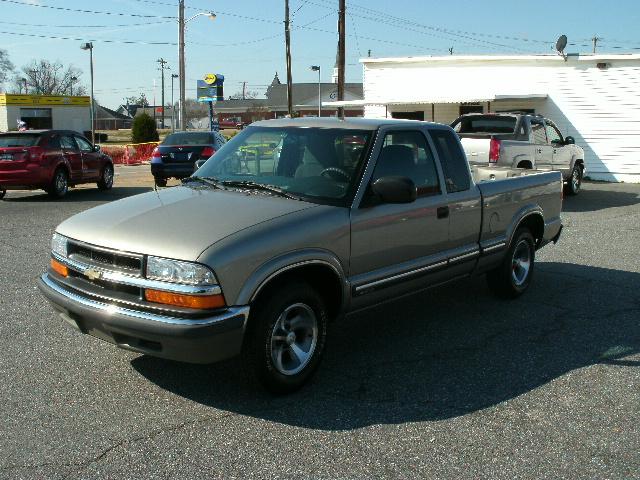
<point>524,213</point>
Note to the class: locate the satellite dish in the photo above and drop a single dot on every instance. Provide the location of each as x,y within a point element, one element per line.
<point>561,44</point>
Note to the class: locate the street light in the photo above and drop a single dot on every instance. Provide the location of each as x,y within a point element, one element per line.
<point>173,106</point>
<point>89,46</point>
<point>73,79</point>
<point>181,23</point>
<point>316,68</point>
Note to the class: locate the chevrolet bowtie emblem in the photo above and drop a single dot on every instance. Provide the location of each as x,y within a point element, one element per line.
<point>93,274</point>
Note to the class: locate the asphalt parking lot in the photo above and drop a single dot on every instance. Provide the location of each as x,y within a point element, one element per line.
<point>452,383</point>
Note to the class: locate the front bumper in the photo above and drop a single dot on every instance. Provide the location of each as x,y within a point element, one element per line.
<point>201,340</point>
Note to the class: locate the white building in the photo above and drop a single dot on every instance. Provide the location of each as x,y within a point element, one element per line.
<point>45,111</point>
<point>594,98</point>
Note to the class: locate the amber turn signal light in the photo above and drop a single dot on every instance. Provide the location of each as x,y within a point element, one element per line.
<point>189,301</point>
<point>59,268</point>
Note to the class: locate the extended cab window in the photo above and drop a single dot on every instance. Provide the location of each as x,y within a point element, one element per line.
<point>406,154</point>
<point>453,160</point>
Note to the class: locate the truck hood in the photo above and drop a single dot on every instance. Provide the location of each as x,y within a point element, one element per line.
<point>178,222</point>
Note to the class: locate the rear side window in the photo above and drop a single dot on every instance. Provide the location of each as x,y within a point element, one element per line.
<point>453,160</point>
<point>19,140</point>
<point>538,135</point>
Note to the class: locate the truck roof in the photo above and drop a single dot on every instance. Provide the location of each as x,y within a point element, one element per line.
<point>350,123</point>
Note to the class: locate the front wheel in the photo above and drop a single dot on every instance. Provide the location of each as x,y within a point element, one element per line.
<point>512,278</point>
<point>575,181</point>
<point>59,184</point>
<point>286,337</point>
<point>106,179</point>
<point>3,192</point>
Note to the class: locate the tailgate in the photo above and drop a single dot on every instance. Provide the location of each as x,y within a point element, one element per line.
<point>476,149</point>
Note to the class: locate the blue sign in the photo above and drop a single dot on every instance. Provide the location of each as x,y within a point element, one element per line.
<point>211,92</point>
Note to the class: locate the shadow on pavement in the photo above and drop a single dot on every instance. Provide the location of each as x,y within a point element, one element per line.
<point>79,195</point>
<point>440,354</point>
<point>598,196</point>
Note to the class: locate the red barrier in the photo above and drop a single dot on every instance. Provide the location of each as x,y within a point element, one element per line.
<point>130,154</point>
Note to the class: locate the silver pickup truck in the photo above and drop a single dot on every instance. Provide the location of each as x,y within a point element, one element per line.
<point>292,224</point>
<point>521,141</point>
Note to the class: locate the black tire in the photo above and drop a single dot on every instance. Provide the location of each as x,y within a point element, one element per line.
<point>575,180</point>
<point>269,348</point>
<point>512,278</point>
<point>161,182</point>
<point>106,177</point>
<point>59,184</point>
<point>3,192</point>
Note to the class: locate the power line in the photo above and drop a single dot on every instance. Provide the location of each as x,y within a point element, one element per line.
<point>86,26</point>
<point>77,39</point>
<point>98,12</point>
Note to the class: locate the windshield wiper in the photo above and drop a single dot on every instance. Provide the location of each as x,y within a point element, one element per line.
<point>211,181</point>
<point>258,186</point>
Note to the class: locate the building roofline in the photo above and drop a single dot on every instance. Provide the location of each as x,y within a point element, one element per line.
<point>501,58</point>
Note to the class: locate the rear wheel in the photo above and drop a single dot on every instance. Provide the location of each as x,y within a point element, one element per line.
<point>161,182</point>
<point>512,278</point>
<point>59,184</point>
<point>106,178</point>
<point>286,337</point>
<point>575,181</point>
<point>3,192</point>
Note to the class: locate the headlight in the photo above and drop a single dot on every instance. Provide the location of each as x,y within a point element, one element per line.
<point>59,244</point>
<point>179,272</point>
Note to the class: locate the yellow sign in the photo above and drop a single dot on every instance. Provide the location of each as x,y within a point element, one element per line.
<point>44,100</point>
<point>210,78</point>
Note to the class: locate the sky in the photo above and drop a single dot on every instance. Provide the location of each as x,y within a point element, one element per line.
<point>245,42</point>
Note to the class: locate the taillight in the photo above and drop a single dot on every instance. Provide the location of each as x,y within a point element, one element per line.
<point>207,152</point>
<point>34,154</point>
<point>494,150</point>
<point>156,153</point>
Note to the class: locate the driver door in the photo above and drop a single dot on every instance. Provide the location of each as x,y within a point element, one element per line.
<point>90,159</point>
<point>562,153</point>
<point>396,246</point>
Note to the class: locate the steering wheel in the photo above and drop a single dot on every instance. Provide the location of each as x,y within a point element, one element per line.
<point>334,172</point>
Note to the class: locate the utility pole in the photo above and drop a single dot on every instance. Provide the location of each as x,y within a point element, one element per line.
<point>244,90</point>
<point>341,55</point>
<point>173,105</point>
<point>595,41</point>
<point>162,63</point>
<point>288,45</point>
<point>181,69</point>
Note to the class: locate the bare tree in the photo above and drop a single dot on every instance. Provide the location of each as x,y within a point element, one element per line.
<point>248,95</point>
<point>6,67</point>
<point>139,100</point>
<point>49,78</point>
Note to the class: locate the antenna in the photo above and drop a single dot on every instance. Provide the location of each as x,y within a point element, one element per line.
<point>561,44</point>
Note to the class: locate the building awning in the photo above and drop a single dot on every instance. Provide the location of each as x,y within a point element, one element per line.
<point>429,100</point>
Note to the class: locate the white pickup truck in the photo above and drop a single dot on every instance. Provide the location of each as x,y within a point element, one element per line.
<point>521,141</point>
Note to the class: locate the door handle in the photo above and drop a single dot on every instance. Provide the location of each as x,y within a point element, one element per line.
<point>442,212</point>
<point>539,150</point>
<point>555,151</point>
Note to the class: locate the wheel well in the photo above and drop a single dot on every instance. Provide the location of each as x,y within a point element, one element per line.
<point>64,167</point>
<point>321,277</point>
<point>535,224</point>
<point>525,164</point>
<point>580,162</point>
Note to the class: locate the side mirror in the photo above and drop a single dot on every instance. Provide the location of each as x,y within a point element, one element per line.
<point>96,148</point>
<point>569,141</point>
<point>395,189</point>
<point>199,163</point>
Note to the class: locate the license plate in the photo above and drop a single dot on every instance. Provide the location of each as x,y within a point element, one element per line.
<point>6,156</point>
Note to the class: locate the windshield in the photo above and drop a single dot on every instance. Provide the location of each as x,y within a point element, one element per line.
<point>20,140</point>
<point>485,124</point>
<point>188,138</point>
<point>321,165</point>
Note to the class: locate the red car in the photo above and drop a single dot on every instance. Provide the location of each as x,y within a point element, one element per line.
<point>52,160</point>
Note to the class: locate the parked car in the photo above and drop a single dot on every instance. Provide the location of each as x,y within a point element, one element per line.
<point>52,160</point>
<point>521,141</point>
<point>232,122</point>
<point>177,154</point>
<point>257,257</point>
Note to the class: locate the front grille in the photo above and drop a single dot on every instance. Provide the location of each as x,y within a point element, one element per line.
<point>106,259</point>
